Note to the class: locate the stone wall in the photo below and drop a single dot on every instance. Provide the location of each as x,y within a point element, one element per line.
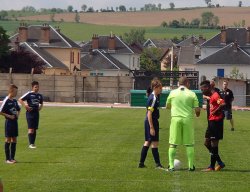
<point>72,88</point>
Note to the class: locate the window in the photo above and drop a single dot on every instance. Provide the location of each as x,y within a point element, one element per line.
<point>78,58</point>
<point>72,57</point>
<point>220,72</point>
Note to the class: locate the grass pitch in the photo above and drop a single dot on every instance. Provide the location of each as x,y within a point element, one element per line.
<point>98,149</point>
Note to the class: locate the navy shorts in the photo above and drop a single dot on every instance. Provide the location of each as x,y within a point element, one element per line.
<point>228,114</point>
<point>11,128</point>
<point>149,137</point>
<point>32,119</point>
<point>215,130</point>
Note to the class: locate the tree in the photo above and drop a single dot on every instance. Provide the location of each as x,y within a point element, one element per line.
<point>77,18</point>
<point>235,74</point>
<point>84,7</point>
<point>215,21</point>
<point>150,59</point>
<point>208,2</point>
<point>240,3</point>
<point>174,23</point>
<point>3,15</point>
<point>28,9</point>
<point>172,5</point>
<point>70,8</point>
<point>22,61</point>
<point>164,24</point>
<point>4,41</point>
<point>159,6</point>
<point>195,22</point>
<point>122,8</point>
<point>134,36</point>
<point>52,17</point>
<point>207,18</point>
<point>90,9</point>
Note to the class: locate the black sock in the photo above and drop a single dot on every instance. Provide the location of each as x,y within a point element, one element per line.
<point>144,152</point>
<point>218,159</point>
<point>13,150</point>
<point>156,156</point>
<point>34,136</point>
<point>7,150</point>
<point>30,138</point>
<point>214,156</point>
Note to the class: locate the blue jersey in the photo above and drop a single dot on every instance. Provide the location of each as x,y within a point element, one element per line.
<point>10,106</point>
<point>33,100</point>
<point>153,104</point>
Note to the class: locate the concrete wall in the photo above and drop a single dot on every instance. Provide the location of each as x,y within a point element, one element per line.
<point>74,88</point>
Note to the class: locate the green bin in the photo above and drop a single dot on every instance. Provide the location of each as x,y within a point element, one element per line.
<point>138,98</point>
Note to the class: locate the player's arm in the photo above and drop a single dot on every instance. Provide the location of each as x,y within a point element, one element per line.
<point>221,103</point>
<point>7,115</point>
<point>25,105</point>
<point>197,111</point>
<point>40,107</point>
<point>150,120</point>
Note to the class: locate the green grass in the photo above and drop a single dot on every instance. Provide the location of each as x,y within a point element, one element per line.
<point>83,31</point>
<point>97,149</point>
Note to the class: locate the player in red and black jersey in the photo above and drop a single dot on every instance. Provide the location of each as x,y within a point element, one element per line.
<point>214,131</point>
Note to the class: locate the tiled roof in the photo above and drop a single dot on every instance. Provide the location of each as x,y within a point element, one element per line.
<point>121,47</point>
<point>186,55</point>
<point>232,35</point>
<point>101,60</point>
<point>56,39</point>
<point>193,40</point>
<point>230,54</point>
<point>159,43</point>
<point>50,60</point>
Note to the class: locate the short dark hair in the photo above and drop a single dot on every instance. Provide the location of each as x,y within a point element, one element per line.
<point>34,83</point>
<point>205,83</point>
<point>11,87</point>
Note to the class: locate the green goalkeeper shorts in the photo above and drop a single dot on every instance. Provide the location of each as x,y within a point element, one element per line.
<point>181,131</point>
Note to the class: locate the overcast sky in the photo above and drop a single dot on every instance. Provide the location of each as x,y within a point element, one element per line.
<point>98,4</point>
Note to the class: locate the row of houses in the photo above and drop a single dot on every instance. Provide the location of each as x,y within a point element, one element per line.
<point>109,55</point>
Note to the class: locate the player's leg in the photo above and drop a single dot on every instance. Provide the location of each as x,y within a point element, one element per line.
<point>188,141</point>
<point>155,144</point>
<point>175,138</point>
<point>13,149</point>
<point>147,143</point>
<point>207,141</point>
<point>7,149</point>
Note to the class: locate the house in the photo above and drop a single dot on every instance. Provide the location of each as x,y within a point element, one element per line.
<point>166,46</point>
<point>61,54</point>
<point>109,56</point>
<point>189,52</point>
<point>226,51</point>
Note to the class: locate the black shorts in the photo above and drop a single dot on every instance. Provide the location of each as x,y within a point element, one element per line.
<point>215,130</point>
<point>32,119</point>
<point>11,128</point>
<point>149,137</point>
<point>228,114</point>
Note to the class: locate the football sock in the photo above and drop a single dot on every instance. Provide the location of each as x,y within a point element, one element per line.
<point>34,137</point>
<point>171,156</point>
<point>7,150</point>
<point>30,138</point>
<point>218,156</point>
<point>156,156</point>
<point>13,150</point>
<point>214,155</point>
<point>144,152</point>
<point>190,156</point>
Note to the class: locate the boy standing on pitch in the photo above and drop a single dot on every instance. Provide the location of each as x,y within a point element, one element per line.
<point>10,110</point>
<point>214,131</point>
<point>151,125</point>
<point>34,103</point>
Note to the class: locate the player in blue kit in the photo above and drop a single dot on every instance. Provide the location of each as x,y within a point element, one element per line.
<point>151,125</point>
<point>33,104</point>
<point>10,110</point>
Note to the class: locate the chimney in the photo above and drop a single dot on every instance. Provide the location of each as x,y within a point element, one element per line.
<point>23,32</point>
<point>235,46</point>
<point>95,41</point>
<point>111,42</point>
<point>17,44</point>
<point>45,33</point>
<point>248,35</point>
<point>223,38</point>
